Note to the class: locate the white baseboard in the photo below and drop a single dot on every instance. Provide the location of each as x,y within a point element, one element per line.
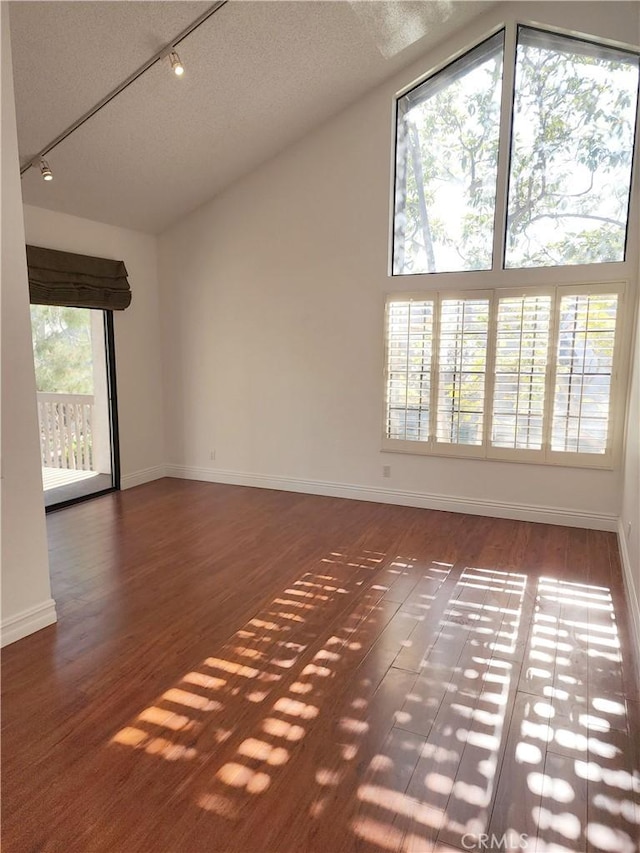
<point>28,621</point>
<point>631,594</point>
<point>493,509</point>
<point>146,475</point>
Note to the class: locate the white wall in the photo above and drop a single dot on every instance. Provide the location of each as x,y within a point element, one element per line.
<point>629,530</point>
<point>26,595</point>
<point>137,331</point>
<point>273,300</point>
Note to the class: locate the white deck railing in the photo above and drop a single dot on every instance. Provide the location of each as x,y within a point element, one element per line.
<point>65,430</point>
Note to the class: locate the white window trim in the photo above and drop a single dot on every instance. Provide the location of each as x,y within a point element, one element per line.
<point>607,460</point>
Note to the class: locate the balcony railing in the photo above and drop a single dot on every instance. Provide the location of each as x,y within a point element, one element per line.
<point>66,439</point>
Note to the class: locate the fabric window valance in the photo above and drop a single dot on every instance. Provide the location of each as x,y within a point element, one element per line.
<point>76,281</point>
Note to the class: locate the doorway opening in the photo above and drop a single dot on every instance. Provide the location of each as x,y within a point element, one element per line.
<point>74,360</point>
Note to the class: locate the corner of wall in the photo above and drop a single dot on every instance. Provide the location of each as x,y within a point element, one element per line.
<point>27,622</point>
<point>146,475</point>
<point>631,594</point>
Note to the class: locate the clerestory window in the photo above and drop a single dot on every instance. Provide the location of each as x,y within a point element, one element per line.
<point>569,140</point>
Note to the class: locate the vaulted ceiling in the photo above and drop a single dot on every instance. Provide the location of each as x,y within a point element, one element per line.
<point>259,75</point>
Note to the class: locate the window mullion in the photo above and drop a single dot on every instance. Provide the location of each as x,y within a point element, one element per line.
<point>550,380</point>
<point>504,146</point>
<point>490,364</point>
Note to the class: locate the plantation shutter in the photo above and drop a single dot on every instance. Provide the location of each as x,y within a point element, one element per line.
<point>522,341</point>
<point>76,281</point>
<point>584,370</point>
<point>462,366</point>
<point>526,375</point>
<point>409,350</point>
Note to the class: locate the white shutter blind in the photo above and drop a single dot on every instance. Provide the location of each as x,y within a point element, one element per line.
<point>522,341</point>
<point>409,350</point>
<point>584,366</point>
<point>462,361</point>
<point>524,375</point>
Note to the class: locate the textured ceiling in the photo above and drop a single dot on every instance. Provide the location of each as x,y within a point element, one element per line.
<point>258,76</point>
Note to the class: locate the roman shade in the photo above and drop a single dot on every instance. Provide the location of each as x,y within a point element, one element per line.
<point>76,281</point>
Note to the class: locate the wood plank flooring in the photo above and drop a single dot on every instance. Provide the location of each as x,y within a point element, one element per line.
<point>253,671</point>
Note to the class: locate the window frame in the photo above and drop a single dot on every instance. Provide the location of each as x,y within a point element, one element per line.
<point>511,29</point>
<point>397,111</point>
<point>504,222</point>
<point>545,456</point>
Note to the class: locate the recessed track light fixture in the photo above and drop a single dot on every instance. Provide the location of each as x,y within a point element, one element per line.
<point>45,171</point>
<point>176,66</point>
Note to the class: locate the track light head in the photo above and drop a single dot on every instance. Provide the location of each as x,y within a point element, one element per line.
<point>176,66</point>
<point>45,171</point>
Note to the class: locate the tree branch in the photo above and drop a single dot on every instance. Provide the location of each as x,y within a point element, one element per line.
<point>577,216</point>
<point>414,144</point>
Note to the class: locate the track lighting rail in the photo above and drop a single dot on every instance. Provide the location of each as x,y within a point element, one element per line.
<point>161,54</point>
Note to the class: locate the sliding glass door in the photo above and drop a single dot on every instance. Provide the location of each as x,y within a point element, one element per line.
<point>77,410</point>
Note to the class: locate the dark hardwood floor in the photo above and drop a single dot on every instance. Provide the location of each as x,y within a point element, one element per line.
<point>263,672</point>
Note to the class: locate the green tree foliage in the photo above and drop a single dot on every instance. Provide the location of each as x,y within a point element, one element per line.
<point>62,349</point>
<point>451,139</point>
<point>574,118</point>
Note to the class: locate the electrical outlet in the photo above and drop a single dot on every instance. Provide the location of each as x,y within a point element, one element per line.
<point>386,470</point>
<point>212,455</point>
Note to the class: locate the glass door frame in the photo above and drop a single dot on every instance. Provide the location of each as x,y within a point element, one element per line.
<point>112,403</point>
